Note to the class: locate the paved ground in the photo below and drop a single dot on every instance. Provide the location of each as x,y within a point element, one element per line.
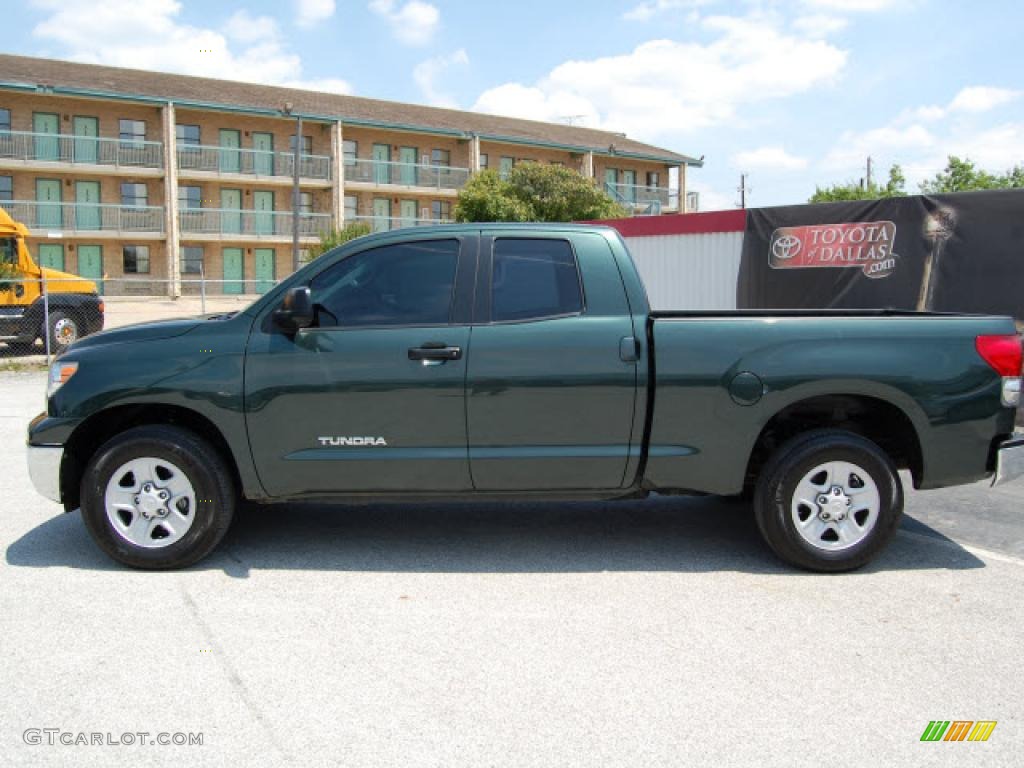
<point>639,634</point>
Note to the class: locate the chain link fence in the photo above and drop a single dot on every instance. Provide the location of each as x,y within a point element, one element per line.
<point>39,318</point>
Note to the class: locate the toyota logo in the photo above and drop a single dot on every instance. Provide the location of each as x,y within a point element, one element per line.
<point>786,247</point>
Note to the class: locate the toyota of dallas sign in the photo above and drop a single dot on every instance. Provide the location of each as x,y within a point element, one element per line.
<point>863,244</point>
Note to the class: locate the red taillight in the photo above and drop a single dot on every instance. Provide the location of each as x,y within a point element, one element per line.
<point>1003,353</point>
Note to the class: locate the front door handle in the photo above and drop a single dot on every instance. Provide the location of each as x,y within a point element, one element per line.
<point>435,350</point>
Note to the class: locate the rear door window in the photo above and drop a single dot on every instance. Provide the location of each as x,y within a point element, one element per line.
<point>533,279</point>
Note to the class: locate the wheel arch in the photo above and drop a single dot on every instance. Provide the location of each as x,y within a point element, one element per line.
<point>879,420</point>
<point>103,425</point>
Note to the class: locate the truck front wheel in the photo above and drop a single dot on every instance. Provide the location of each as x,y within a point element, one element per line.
<point>157,497</point>
<point>828,500</point>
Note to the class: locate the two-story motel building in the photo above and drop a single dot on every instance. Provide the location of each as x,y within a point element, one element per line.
<point>121,173</point>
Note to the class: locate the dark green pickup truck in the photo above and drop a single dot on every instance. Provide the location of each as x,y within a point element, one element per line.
<point>504,361</point>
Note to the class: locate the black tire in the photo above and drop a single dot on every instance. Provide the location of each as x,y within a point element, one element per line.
<point>65,329</point>
<point>787,467</point>
<point>203,467</point>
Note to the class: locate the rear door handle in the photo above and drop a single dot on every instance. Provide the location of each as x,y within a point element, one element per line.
<point>435,350</point>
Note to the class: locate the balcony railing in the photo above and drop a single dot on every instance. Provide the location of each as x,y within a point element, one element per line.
<point>641,196</point>
<point>86,150</point>
<point>386,223</point>
<point>86,217</point>
<point>405,174</point>
<point>251,162</point>
<point>234,221</point>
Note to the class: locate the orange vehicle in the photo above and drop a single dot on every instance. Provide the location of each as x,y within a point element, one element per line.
<point>75,307</point>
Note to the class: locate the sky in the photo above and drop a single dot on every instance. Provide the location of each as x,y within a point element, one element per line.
<point>794,94</point>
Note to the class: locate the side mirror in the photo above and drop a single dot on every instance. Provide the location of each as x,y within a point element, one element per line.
<point>296,311</point>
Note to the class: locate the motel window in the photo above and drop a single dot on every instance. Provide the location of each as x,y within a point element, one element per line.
<point>440,157</point>
<point>132,130</point>
<point>6,188</point>
<point>133,194</point>
<point>483,161</point>
<point>135,259</point>
<point>192,260</point>
<point>350,150</point>
<point>505,167</point>
<point>5,120</point>
<point>305,149</point>
<point>188,135</point>
<point>351,208</point>
<point>653,179</point>
<point>441,210</point>
<point>190,197</point>
<point>305,256</point>
<point>305,202</point>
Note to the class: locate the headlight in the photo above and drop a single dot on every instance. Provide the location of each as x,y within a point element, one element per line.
<point>60,372</point>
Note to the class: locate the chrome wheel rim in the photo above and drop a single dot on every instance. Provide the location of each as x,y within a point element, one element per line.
<point>835,506</point>
<point>65,331</point>
<point>150,502</point>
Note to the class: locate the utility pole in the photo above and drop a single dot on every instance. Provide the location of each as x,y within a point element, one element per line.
<point>869,171</point>
<point>743,190</point>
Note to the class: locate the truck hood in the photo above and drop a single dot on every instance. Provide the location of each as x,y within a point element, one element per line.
<point>65,282</point>
<point>163,329</point>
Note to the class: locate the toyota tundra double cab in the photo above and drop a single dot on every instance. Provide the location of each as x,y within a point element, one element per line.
<point>497,361</point>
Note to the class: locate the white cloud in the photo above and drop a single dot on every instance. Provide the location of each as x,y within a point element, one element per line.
<point>768,158</point>
<point>311,12</point>
<point>855,6</point>
<point>665,87</point>
<point>981,98</point>
<point>146,34</point>
<point>648,9</point>
<point>246,28</point>
<point>426,73</point>
<point>413,22</point>
<point>819,25</point>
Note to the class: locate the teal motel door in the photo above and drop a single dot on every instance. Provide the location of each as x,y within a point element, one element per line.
<point>409,157</point>
<point>264,268</point>
<point>90,264</point>
<point>48,213</point>
<point>628,188</point>
<point>87,205</point>
<point>51,255</point>
<point>611,180</point>
<point>234,273</point>
<point>231,211</point>
<point>381,214</point>
<point>45,128</point>
<point>381,163</point>
<point>230,154</point>
<point>263,215</point>
<point>86,146</point>
<point>407,212</point>
<point>263,153</point>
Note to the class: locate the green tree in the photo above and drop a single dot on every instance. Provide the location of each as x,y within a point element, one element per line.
<point>894,187</point>
<point>534,192</point>
<point>335,237</point>
<point>961,175</point>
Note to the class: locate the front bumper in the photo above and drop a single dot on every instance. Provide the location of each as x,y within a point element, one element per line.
<point>1009,460</point>
<point>44,469</point>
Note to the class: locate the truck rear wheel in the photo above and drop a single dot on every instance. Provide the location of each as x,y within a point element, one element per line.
<point>828,501</point>
<point>64,331</point>
<point>157,497</point>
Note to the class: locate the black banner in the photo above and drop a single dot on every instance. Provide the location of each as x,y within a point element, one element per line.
<point>949,253</point>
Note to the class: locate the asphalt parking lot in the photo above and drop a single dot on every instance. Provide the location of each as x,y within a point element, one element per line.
<point>636,634</point>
